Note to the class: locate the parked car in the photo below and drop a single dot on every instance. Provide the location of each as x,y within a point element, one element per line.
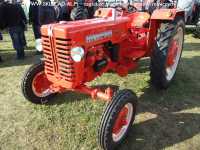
<point>192,13</point>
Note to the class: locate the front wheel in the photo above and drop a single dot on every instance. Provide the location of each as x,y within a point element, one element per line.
<point>35,85</point>
<point>117,119</point>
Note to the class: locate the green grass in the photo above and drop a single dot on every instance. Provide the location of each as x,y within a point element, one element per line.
<point>165,120</point>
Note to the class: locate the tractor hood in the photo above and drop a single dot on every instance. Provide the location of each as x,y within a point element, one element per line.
<point>90,31</point>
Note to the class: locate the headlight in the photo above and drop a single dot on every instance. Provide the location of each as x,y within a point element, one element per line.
<point>77,53</point>
<point>38,44</point>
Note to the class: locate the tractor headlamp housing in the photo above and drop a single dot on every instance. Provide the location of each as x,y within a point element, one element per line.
<point>77,53</point>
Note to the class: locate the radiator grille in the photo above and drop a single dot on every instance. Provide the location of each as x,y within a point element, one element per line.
<point>58,61</point>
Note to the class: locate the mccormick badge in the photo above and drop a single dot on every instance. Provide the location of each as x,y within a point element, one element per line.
<point>99,36</point>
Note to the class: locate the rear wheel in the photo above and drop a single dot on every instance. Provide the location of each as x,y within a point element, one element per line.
<point>197,32</point>
<point>167,52</point>
<point>35,85</point>
<point>79,13</point>
<point>117,119</point>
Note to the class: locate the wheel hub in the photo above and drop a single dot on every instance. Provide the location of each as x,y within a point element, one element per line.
<point>174,53</point>
<point>41,85</point>
<point>122,122</point>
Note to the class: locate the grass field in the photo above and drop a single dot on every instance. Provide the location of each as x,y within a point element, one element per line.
<point>165,120</point>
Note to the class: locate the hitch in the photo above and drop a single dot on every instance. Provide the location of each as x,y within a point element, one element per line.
<point>96,92</point>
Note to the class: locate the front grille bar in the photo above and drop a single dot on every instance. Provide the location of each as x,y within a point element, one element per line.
<point>57,57</point>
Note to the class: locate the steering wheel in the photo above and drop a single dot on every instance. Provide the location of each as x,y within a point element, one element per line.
<point>120,8</point>
<point>132,8</point>
<point>129,8</point>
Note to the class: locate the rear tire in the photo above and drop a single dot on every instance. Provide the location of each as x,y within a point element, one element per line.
<point>35,84</point>
<point>169,45</point>
<point>197,32</point>
<point>79,14</point>
<point>117,119</point>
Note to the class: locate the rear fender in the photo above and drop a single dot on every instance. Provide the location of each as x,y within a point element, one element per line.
<point>167,14</point>
<point>159,16</point>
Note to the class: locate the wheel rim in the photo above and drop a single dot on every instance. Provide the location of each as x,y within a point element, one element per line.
<point>41,85</point>
<point>122,122</point>
<point>174,54</point>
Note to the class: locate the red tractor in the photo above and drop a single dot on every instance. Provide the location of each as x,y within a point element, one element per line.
<point>77,52</point>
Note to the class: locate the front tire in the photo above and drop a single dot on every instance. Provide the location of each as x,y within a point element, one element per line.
<point>35,85</point>
<point>117,119</point>
<point>167,52</point>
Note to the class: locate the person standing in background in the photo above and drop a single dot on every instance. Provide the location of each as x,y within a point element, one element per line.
<point>25,5</point>
<point>2,21</point>
<point>47,13</point>
<point>15,21</point>
<point>24,23</point>
<point>40,15</point>
<point>34,20</point>
<point>62,11</point>
<point>1,38</point>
